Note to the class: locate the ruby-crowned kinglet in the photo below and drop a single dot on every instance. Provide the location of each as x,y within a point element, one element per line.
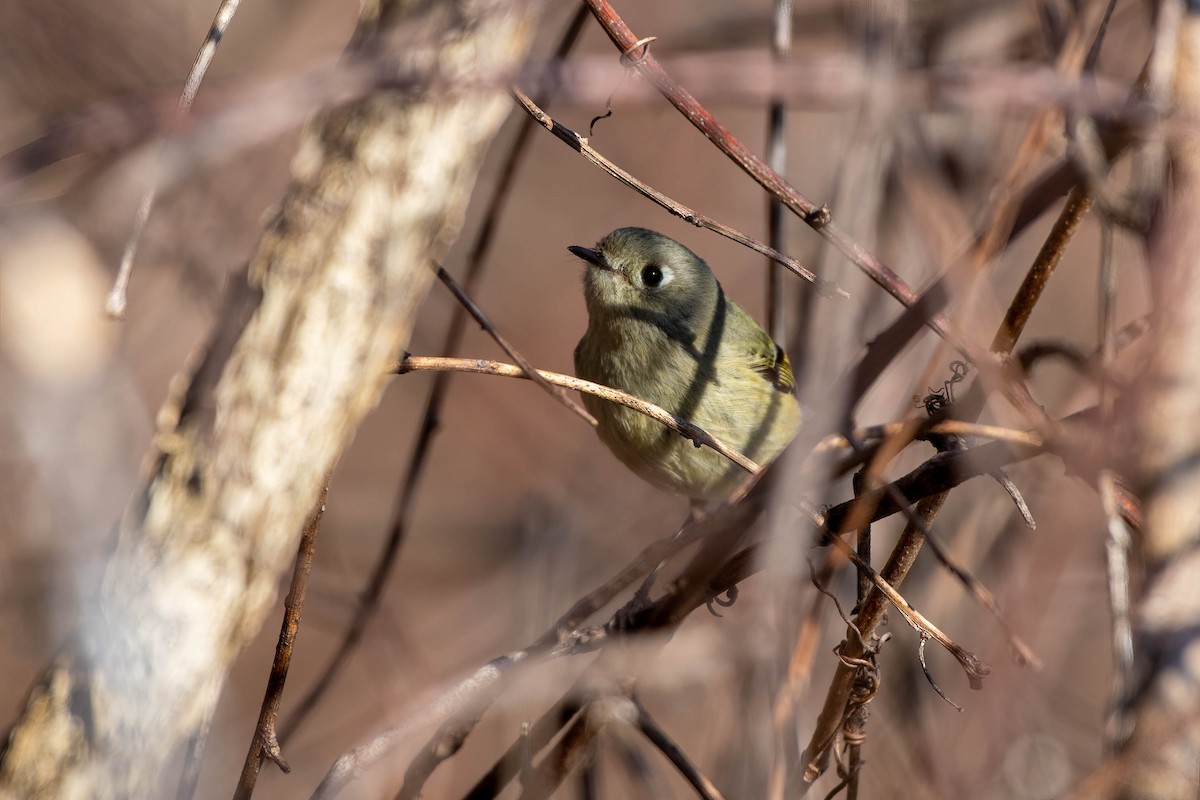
<point>661,328</point>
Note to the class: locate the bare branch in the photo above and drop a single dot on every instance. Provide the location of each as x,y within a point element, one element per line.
<point>526,368</point>
<point>264,744</point>
<point>479,366</point>
<point>580,145</point>
<point>114,305</point>
<point>705,788</point>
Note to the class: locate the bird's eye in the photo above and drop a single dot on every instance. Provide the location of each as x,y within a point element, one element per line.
<point>652,275</point>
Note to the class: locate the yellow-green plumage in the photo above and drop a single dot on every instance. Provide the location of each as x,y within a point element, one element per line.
<point>661,328</point>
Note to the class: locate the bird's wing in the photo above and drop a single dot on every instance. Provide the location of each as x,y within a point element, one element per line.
<point>773,365</point>
<point>766,356</point>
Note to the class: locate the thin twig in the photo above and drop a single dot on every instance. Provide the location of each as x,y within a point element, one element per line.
<point>114,304</point>
<point>705,788</point>
<point>564,757</point>
<point>929,675</point>
<point>533,738</point>
<point>580,145</point>
<point>1048,257</point>
<point>265,743</point>
<point>527,368</point>
<point>930,429</point>
<point>479,366</point>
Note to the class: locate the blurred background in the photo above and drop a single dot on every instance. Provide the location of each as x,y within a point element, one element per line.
<point>521,509</point>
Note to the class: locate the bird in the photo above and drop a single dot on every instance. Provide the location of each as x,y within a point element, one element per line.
<point>661,328</point>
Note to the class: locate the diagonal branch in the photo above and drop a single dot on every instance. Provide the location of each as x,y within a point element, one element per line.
<point>817,217</point>
<point>527,368</point>
<point>580,145</point>
<point>265,742</point>
<point>292,367</point>
<point>476,259</point>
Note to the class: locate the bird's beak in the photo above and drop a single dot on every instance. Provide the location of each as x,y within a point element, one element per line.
<point>593,257</point>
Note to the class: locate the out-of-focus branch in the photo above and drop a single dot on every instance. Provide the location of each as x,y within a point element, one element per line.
<point>114,305</point>
<point>293,365</point>
<point>463,704</point>
<point>371,594</point>
<point>1166,467</point>
<point>781,46</point>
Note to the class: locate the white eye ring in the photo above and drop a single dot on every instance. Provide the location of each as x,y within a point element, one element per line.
<point>655,276</point>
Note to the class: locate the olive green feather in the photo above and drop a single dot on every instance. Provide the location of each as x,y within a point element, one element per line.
<point>661,328</point>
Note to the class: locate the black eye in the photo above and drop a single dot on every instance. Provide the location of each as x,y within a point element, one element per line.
<point>651,275</point>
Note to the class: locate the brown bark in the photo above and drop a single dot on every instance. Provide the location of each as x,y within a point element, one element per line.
<point>297,358</point>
